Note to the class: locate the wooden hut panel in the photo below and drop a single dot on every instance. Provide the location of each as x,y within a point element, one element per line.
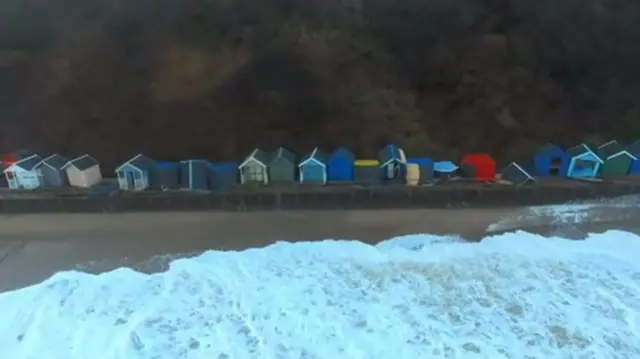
<point>223,175</point>
<point>194,175</point>
<point>413,174</point>
<point>425,168</point>
<point>165,175</point>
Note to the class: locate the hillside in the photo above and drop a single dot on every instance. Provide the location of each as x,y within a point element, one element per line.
<point>214,78</point>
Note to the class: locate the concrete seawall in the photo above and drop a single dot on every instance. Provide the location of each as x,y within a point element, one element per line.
<point>324,198</point>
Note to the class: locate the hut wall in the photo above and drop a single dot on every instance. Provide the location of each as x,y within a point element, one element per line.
<point>165,175</point>
<point>413,174</point>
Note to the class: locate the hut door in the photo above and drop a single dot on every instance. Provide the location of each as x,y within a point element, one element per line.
<point>131,181</point>
<point>138,180</point>
<point>554,169</point>
<point>391,171</point>
<point>12,180</point>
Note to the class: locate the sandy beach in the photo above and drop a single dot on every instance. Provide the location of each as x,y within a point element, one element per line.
<point>33,247</point>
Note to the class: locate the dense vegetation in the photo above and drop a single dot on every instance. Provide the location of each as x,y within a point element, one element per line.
<point>214,78</point>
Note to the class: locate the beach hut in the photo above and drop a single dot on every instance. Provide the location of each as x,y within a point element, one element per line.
<point>550,160</point>
<point>255,168</point>
<point>425,169</point>
<point>52,171</point>
<point>223,175</point>
<point>313,168</point>
<point>392,163</point>
<point>194,174</point>
<point>24,174</point>
<point>616,159</point>
<point>165,175</point>
<point>340,166</point>
<point>83,171</point>
<point>282,167</point>
<point>412,176</point>
<point>479,166</point>
<point>444,170</point>
<point>366,171</point>
<point>516,174</point>
<point>583,162</point>
<point>134,174</point>
<point>634,149</point>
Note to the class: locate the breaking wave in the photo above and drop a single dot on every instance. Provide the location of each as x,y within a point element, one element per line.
<point>514,295</point>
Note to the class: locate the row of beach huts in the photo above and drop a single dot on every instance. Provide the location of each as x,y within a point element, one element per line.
<point>27,170</point>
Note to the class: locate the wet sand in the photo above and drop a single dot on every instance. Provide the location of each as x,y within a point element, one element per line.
<point>33,247</point>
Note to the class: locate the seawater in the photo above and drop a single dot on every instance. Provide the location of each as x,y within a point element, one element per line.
<point>515,295</point>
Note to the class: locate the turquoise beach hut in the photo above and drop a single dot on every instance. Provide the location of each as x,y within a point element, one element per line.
<point>313,168</point>
<point>583,162</point>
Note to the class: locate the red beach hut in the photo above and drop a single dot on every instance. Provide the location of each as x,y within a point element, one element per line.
<point>8,159</point>
<point>484,166</point>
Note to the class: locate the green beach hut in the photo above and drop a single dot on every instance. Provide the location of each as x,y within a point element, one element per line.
<point>282,168</point>
<point>616,159</point>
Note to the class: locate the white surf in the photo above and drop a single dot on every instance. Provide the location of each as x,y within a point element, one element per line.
<point>515,295</point>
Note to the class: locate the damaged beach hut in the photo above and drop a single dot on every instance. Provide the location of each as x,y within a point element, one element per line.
<point>7,159</point>
<point>255,168</point>
<point>479,166</point>
<point>550,160</point>
<point>223,175</point>
<point>419,171</point>
<point>83,171</point>
<point>165,175</point>
<point>634,149</point>
<point>616,159</point>
<point>313,168</point>
<point>516,174</point>
<point>24,174</point>
<point>583,162</point>
<point>340,165</point>
<point>134,174</point>
<point>52,171</point>
<point>366,171</point>
<point>194,174</point>
<point>392,164</point>
<point>444,170</point>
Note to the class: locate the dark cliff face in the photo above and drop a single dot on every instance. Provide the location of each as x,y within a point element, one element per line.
<point>202,78</point>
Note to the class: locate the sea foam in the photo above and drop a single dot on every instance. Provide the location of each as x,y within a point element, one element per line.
<point>515,295</point>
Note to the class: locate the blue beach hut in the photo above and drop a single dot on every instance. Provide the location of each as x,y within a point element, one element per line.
<point>165,175</point>
<point>550,160</point>
<point>444,170</point>
<point>340,165</point>
<point>425,168</point>
<point>313,168</point>
<point>134,174</point>
<point>53,174</point>
<point>223,175</point>
<point>583,162</point>
<point>634,149</point>
<point>194,174</point>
